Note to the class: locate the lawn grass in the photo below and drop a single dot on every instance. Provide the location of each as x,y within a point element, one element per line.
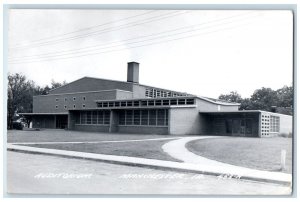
<point>256,153</point>
<point>15,136</point>
<point>145,149</point>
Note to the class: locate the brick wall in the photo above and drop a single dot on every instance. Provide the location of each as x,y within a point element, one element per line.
<point>47,103</point>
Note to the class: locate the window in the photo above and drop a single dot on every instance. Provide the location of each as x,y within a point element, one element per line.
<point>83,105</point>
<point>136,117</point>
<point>110,104</point>
<point>56,99</point>
<point>136,103</point>
<point>117,104</point>
<point>74,98</point>
<point>105,104</point>
<point>129,103</point>
<point>173,102</point>
<point>77,119</point>
<point>123,104</point>
<point>83,117</point>
<point>122,118</point>
<point>74,106</point>
<point>83,98</point>
<point>274,124</point>
<point>158,93</point>
<point>56,106</point>
<point>152,117</point>
<point>66,99</point>
<point>106,117</point>
<point>99,104</point>
<point>144,119</point>
<point>129,117</point>
<point>166,102</point>
<point>181,102</point>
<point>100,118</point>
<point>161,117</point>
<point>144,103</point>
<point>157,102</point>
<point>190,101</point>
<point>88,117</point>
<point>150,102</point>
<point>147,93</point>
<point>65,106</point>
<point>166,117</point>
<point>94,117</point>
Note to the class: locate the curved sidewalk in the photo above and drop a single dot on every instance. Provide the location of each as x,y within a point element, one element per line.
<point>263,176</point>
<point>177,150</point>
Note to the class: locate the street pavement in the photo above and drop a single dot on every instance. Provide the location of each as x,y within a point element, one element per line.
<point>43,174</point>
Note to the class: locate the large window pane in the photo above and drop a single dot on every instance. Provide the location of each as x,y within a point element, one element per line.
<point>160,117</point>
<point>106,117</point>
<point>152,117</point>
<point>88,117</point>
<point>129,117</point>
<point>122,118</point>
<point>83,118</point>
<point>94,117</point>
<point>136,117</point>
<point>167,118</point>
<point>144,117</point>
<point>100,117</point>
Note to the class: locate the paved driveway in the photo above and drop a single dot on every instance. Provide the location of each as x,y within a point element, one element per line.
<point>42,174</point>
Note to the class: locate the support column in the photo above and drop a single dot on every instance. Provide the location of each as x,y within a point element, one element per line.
<point>259,124</point>
<point>71,120</point>
<point>114,121</point>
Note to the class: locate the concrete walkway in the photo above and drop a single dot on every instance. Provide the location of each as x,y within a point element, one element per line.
<point>178,150</point>
<point>264,176</point>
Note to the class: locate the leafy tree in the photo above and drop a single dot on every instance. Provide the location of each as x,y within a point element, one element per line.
<point>285,96</point>
<point>19,98</point>
<point>246,104</point>
<point>20,95</point>
<point>264,99</point>
<point>233,96</point>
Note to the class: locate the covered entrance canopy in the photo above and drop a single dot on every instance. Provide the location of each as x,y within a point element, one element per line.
<point>235,123</point>
<point>47,120</point>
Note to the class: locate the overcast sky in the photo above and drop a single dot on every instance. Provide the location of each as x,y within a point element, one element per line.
<point>200,52</point>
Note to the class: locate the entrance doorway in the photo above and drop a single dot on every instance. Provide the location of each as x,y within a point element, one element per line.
<point>61,121</point>
<point>239,127</point>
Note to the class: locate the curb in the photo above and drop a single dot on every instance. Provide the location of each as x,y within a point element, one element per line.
<point>260,176</point>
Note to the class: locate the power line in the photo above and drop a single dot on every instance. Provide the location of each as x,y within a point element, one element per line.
<point>154,43</point>
<point>53,54</point>
<point>124,26</point>
<point>92,27</point>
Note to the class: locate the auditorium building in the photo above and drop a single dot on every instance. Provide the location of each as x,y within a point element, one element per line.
<point>102,105</point>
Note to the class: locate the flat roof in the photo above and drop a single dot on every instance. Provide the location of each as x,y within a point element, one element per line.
<point>57,113</point>
<point>240,111</point>
<point>146,98</point>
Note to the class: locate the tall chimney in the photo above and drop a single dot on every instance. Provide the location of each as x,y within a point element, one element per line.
<point>133,72</point>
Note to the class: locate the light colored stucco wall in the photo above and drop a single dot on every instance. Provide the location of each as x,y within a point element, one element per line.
<point>286,124</point>
<point>184,121</point>
<point>205,106</point>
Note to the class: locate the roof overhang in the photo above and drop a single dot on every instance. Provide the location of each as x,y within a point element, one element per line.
<point>231,112</point>
<point>31,114</point>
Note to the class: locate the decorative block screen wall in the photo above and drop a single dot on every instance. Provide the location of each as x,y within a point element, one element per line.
<point>265,125</point>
